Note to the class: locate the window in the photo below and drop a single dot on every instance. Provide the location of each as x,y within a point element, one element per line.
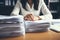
<point>6,6</point>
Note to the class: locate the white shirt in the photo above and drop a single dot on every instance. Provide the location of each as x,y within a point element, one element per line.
<point>42,6</point>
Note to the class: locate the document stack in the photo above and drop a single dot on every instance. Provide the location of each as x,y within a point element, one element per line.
<point>11,26</point>
<point>37,26</point>
<point>55,25</point>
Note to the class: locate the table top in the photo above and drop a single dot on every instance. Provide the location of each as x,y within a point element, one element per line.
<point>49,35</point>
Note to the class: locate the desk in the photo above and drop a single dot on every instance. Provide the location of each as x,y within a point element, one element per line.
<point>49,35</point>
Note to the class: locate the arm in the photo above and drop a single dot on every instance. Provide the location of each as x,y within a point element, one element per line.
<point>16,9</point>
<point>46,13</point>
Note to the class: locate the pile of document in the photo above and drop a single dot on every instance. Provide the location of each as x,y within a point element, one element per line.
<point>16,26</point>
<point>11,26</point>
<point>55,25</point>
<point>37,26</point>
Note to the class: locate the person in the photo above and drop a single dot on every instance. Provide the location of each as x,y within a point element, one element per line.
<point>31,9</point>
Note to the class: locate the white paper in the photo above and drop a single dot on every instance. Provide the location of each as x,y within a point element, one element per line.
<point>37,23</point>
<point>8,17</point>
<point>33,26</point>
<point>55,25</point>
<point>10,25</point>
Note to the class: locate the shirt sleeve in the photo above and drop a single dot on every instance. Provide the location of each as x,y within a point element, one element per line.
<point>46,13</point>
<point>16,9</point>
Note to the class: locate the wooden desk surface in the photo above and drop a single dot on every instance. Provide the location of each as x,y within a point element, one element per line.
<point>49,35</point>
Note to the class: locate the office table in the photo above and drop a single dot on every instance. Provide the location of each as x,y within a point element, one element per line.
<point>49,35</point>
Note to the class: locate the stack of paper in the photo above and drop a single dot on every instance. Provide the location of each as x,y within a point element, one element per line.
<point>55,25</point>
<point>35,26</point>
<point>11,26</point>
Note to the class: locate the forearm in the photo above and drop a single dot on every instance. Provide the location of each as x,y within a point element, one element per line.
<point>16,9</point>
<point>46,13</point>
<point>47,16</point>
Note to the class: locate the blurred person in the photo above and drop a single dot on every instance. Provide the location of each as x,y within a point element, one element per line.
<point>31,9</point>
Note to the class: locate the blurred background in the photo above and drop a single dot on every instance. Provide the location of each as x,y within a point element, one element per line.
<point>6,6</point>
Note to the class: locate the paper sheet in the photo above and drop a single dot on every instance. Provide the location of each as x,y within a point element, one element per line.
<point>55,25</point>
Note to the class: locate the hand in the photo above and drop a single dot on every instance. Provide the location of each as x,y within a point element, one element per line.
<point>31,17</point>
<point>37,18</point>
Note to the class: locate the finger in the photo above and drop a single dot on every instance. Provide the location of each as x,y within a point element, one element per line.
<point>31,17</point>
<point>27,18</point>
